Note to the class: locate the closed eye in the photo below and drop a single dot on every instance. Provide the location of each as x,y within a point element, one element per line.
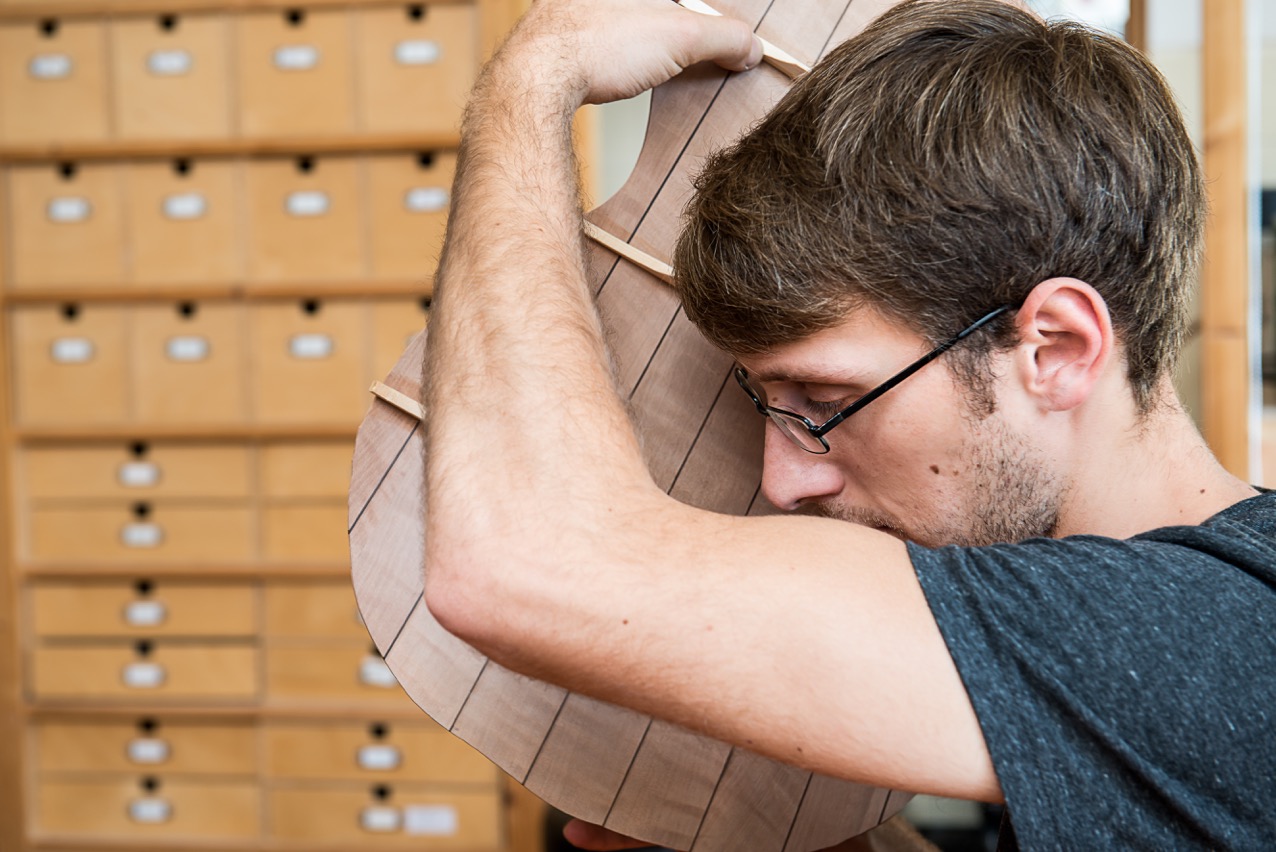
<point>821,411</point>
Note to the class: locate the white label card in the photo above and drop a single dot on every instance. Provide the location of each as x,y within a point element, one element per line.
<point>71,350</point>
<point>148,750</point>
<point>374,672</point>
<point>417,51</point>
<point>141,535</point>
<point>431,820</point>
<point>150,810</point>
<point>379,819</point>
<point>169,63</point>
<point>379,758</point>
<point>138,474</point>
<point>426,199</point>
<point>185,206</point>
<point>144,675</point>
<point>307,203</point>
<point>69,209</point>
<point>187,347</point>
<point>145,613</point>
<point>296,57</point>
<point>310,347</point>
<point>50,66</point>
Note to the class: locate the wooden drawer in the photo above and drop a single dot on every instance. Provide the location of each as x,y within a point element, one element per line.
<point>399,752</point>
<point>148,744</point>
<point>84,608</point>
<point>142,534</point>
<point>144,670</point>
<point>313,610</point>
<point>294,75</point>
<point>69,364</point>
<point>171,77</point>
<point>189,364</point>
<point>395,322</point>
<point>148,809</point>
<point>138,470</point>
<point>52,82</point>
<point>67,226</point>
<point>307,470</point>
<point>306,532</point>
<point>408,197</point>
<point>417,64</point>
<point>309,362</point>
<point>390,815</point>
<point>339,673</point>
<point>184,221</point>
<point>305,219</point>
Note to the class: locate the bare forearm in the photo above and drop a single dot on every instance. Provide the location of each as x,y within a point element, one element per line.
<point>529,448</point>
<point>516,357</point>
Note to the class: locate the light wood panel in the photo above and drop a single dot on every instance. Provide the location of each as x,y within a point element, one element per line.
<point>109,809</point>
<point>142,609</point>
<point>94,745</point>
<point>166,672</point>
<point>171,77</point>
<point>1227,381</point>
<point>407,816</point>
<point>421,752</point>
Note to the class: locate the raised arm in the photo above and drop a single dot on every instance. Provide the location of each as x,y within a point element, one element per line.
<point>548,546</point>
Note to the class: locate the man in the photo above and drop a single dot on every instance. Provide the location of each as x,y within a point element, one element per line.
<point>1020,202</point>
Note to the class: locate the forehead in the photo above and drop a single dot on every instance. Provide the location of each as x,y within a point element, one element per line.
<point>859,349</point>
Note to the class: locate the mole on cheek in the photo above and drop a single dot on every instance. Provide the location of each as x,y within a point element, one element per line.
<point>934,469</point>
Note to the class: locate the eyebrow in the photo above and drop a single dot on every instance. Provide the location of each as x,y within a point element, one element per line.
<point>845,379</point>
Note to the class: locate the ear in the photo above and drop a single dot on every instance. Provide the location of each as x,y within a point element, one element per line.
<point>1066,342</point>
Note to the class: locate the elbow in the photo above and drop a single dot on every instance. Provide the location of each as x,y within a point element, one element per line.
<point>457,595</point>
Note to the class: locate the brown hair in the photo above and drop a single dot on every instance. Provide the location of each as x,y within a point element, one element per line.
<point>940,164</point>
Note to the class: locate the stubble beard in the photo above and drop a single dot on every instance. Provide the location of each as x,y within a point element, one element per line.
<point>1009,495</point>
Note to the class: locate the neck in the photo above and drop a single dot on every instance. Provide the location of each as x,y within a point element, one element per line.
<point>1155,472</point>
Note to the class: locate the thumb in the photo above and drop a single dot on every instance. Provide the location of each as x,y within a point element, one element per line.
<point>725,41</point>
<point>598,839</point>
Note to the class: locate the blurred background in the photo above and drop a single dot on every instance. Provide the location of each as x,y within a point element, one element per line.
<point>218,224</point>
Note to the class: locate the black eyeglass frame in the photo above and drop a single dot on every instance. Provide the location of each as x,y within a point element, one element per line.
<point>786,418</point>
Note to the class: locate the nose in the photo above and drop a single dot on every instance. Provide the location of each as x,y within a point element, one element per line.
<point>791,476</point>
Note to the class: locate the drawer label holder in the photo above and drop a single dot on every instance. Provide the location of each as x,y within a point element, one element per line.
<point>147,750</point>
<point>379,758</point>
<point>150,810</point>
<point>50,66</point>
<point>169,63</point>
<point>417,51</point>
<point>145,613</point>
<point>430,820</point>
<point>138,474</point>
<point>143,675</point>
<point>296,57</point>
<point>380,819</point>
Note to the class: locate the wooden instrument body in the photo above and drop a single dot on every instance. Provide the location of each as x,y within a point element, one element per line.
<point>702,441</point>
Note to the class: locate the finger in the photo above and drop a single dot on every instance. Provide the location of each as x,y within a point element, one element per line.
<point>594,837</point>
<point>726,41</point>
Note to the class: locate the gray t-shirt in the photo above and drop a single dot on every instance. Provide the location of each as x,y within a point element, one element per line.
<point>1126,689</point>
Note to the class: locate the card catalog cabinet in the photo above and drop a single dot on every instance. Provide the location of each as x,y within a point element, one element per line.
<point>219,223</point>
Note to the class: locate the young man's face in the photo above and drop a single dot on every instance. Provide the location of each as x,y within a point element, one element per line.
<point>920,461</point>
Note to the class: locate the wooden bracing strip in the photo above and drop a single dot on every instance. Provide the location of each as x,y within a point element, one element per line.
<point>398,399</point>
<point>771,54</point>
<point>636,256</point>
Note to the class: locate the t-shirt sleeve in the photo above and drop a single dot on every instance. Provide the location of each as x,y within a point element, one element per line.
<point>1126,689</point>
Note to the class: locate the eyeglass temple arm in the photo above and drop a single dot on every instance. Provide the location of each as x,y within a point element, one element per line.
<point>909,370</point>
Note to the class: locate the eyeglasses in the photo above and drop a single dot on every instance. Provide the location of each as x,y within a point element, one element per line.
<point>810,437</point>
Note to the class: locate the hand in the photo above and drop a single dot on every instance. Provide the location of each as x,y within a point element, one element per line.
<point>594,51</point>
<point>586,835</point>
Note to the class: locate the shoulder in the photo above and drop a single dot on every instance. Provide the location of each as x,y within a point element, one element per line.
<point>1144,662</point>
